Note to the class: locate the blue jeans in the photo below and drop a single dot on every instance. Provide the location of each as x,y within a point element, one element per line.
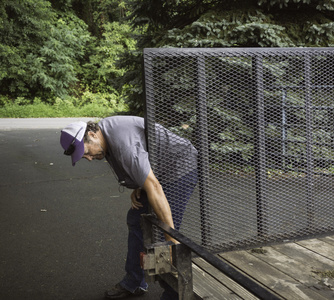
<point>177,194</point>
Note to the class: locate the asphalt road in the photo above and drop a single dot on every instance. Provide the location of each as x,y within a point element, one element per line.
<point>63,228</point>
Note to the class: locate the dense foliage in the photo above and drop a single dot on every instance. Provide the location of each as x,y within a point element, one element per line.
<point>68,49</point>
<point>56,51</point>
<point>295,23</point>
<point>231,23</point>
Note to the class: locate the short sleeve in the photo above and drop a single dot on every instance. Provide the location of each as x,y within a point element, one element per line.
<point>140,166</point>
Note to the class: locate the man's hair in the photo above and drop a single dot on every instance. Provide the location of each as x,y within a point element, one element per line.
<point>91,126</point>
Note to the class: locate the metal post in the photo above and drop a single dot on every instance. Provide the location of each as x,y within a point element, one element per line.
<point>150,106</point>
<point>309,141</point>
<point>182,279</point>
<point>284,128</point>
<point>147,230</point>
<point>331,128</point>
<point>259,144</point>
<point>203,150</point>
<point>182,257</point>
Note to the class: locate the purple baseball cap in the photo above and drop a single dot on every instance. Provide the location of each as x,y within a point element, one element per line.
<point>71,139</point>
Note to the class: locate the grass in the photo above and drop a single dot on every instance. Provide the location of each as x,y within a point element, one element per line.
<point>96,107</point>
<point>325,274</point>
<point>259,251</point>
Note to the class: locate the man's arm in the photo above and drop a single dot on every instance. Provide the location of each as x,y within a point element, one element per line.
<point>158,201</point>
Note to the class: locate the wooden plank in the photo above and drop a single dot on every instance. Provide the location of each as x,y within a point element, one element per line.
<point>283,284</point>
<point>328,239</point>
<point>305,256</point>
<point>299,270</point>
<point>318,246</point>
<point>208,288</point>
<point>223,279</point>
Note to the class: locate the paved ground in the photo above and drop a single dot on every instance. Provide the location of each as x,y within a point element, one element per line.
<point>63,231</point>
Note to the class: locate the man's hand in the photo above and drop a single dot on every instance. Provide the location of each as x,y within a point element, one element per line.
<point>135,196</point>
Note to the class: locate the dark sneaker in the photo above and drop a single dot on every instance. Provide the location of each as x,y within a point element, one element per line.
<point>118,292</point>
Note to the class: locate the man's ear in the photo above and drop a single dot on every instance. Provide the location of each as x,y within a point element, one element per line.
<point>92,134</point>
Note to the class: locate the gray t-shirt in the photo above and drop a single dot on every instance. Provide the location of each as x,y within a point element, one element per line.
<point>127,151</point>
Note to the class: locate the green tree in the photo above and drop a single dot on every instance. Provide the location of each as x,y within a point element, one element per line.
<point>23,28</point>
<point>39,49</point>
<point>97,13</point>
<point>103,69</point>
<point>230,23</point>
<point>257,23</point>
<point>56,64</point>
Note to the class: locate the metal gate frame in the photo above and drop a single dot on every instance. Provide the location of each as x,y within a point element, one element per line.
<point>260,154</point>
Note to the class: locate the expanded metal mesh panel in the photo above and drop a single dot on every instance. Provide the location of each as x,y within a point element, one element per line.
<point>262,121</point>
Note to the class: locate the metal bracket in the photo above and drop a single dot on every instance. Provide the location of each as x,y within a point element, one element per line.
<point>167,262</point>
<point>157,259</point>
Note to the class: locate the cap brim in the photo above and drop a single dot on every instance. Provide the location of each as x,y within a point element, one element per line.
<point>78,152</point>
<point>66,139</point>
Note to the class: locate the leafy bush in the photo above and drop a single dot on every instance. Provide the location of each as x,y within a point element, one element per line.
<point>102,69</point>
<point>39,49</point>
<point>55,66</point>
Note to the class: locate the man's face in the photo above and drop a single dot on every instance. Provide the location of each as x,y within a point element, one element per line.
<point>93,149</point>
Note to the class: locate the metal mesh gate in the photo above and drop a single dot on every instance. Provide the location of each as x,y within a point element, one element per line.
<point>262,121</point>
